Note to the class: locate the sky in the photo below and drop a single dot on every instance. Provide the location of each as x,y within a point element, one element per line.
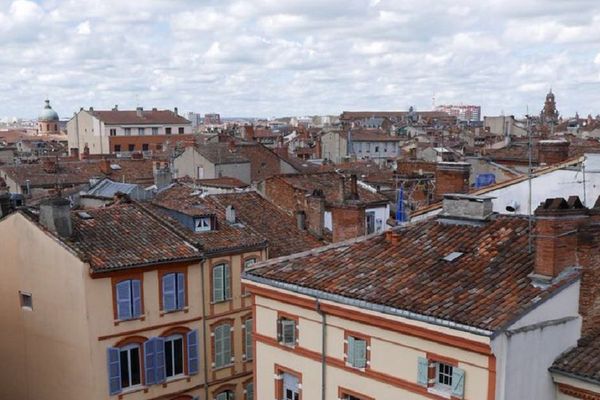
<point>299,57</point>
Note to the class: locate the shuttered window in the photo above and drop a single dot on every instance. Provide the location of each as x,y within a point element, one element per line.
<point>248,338</point>
<point>173,356</point>
<point>173,287</point>
<point>221,283</point>
<point>249,391</point>
<point>129,299</point>
<point>448,378</point>
<point>357,352</point>
<point>226,395</point>
<point>124,368</point>
<point>222,345</point>
<point>287,331</point>
<point>193,358</point>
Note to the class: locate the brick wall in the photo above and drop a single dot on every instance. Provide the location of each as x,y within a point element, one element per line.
<point>315,210</point>
<point>284,195</point>
<point>589,295</point>
<point>348,222</point>
<point>410,167</point>
<point>553,151</point>
<point>451,178</point>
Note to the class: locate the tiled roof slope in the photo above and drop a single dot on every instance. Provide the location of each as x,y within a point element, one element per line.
<point>583,361</point>
<point>277,227</point>
<point>264,162</point>
<point>125,235</point>
<point>124,117</point>
<point>486,288</point>
<point>221,153</point>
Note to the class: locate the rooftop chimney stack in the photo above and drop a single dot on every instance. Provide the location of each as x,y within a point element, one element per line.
<point>162,174</point>
<point>457,206</point>
<point>451,177</point>
<point>50,165</point>
<point>557,223</point>
<point>315,212</point>
<point>553,151</point>
<point>230,214</point>
<point>353,187</point>
<point>55,215</point>
<point>139,111</point>
<point>116,107</point>
<point>105,166</point>
<point>176,111</point>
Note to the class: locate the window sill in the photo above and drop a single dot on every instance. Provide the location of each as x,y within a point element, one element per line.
<point>184,309</point>
<point>289,345</point>
<point>132,390</point>
<point>440,391</point>
<point>121,321</point>
<point>220,301</point>
<point>177,378</point>
<point>223,366</point>
<point>356,368</point>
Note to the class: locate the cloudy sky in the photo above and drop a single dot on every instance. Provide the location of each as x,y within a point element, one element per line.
<point>296,57</point>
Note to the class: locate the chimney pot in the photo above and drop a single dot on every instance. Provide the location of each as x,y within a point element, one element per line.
<point>176,111</point>
<point>139,111</point>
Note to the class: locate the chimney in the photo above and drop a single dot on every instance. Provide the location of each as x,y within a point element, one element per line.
<point>162,174</point>
<point>91,108</point>
<point>588,255</point>
<point>75,152</point>
<point>105,166</point>
<point>392,236</point>
<point>139,111</point>
<point>301,220</point>
<point>353,187</point>
<point>231,146</point>
<point>176,111</point>
<point>249,132</point>
<point>464,207</point>
<point>315,212</point>
<point>86,152</point>
<point>55,215</point>
<point>451,177</point>
<point>556,224</point>
<point>553,151</point>
<point>50,165</point>
<point>5,206</point>
<point>230,214</point>
<point>116,107</point>
<point>348,221</point>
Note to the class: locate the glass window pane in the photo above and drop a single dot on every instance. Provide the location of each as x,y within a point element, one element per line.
<point>135,366</point>
<point>178,344</point>
<point>169,357</point>
<point>124,368</point>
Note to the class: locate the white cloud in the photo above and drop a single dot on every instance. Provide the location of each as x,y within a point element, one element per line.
<point>84,28</point>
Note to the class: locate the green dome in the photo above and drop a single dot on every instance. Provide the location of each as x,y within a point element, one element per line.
<point>48,114</point>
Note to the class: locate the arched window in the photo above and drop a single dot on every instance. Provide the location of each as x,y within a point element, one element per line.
<point>225,395</point>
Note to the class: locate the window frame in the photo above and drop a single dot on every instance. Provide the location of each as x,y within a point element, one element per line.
<point>347,392</point>
<point>112,131</point>
<point>359,336</point>
<point>127,277</point>
<point>245,385</point>
<point>168,130</point>
<point>247,356</point>
<point>154,131</point>
<point>161,274</point>
<point>213,338</point>
<point>26,300</point>
<point>279,371</point>
<point>205,221</point>
<point>172,338</point>
<point>128,347</point>
<point>181,130</point>
<point>227,283</point>
<point>127,131</point>
<point>281,316</point>
<point>141,131</point>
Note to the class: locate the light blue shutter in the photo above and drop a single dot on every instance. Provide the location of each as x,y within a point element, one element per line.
<point>218,283</point>
<point>124,300</point>
<point>360,353</point>
<point>458,382</point>
<point>226,344</point>
<point>192,342</point>
<point>159,359</point>
<point>180,290</point>
<point>423,371</point>
<point>169,292</point>
<point>227,282</point>
<point>250,391</point>
<point>136,294</point>
<point>248,338</point>
<point>351,350</point>
<point>114,371</point>
<point>150,361</point>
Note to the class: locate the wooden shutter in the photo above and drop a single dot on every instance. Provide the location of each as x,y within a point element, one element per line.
<point>248,338</point>
<point>227,282</point>
<point>227,343</point>
<point>289,331</point>
<point>169,292</point>
<point>423,371</point>
<point>218,294</point>
<point>250,391</point>
<point>150,361</point>
<point>279,330</point>
<point>360,353</point>
<point>124,300</point>
<point>180,290</point>
<point>192,343</point>
<point>114,370</point>
<point>159,352</point>
<point>136,294</point>
<point>219,346</point>
<point>458,382</point>
<point>351,350</point>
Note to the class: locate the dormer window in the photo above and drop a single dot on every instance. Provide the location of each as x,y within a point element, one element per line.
<point>202,224</point>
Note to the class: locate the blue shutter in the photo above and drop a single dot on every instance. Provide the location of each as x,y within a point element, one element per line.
<point>150,361</point>
<point>136,294</point>
<point>169,292</point>
<point>360,353</point>
<point>423,371</point>
<point>458,382</point>
<point>124,300</point>
<point>180,290</point>
<point>351,350</point>
<point>227,344</point>
<point>227,282</point>
<point>218,283</point>
<point>192,342</point>
<point>114,371</point>
<point>248,338</point>
<point>159,359</point>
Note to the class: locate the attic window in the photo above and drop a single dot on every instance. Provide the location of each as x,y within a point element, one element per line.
<point>453,256</point>
<point>84,215</point>
<point>202,224</point>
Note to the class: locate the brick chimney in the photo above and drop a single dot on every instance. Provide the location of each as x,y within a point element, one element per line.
<point>315,212</point>
<point>249,132</point>
<point>588,254</point>
<point>353,195</point>
<point>553,151</point>
<point>451,177</point>
<point>105,166</point>
<point>50,165</point>
<point>348,221</point>
<point>556,226</point>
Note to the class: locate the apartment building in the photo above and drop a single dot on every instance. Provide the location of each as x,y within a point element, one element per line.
<point>449,308</point>
<point>125,131</point>
<point>361,144</point>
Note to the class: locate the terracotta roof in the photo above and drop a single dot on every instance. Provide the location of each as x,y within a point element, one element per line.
<point>264,163</point>
<point>582,361</point>
<point>329,183</point>
<point>114,117</point>
<point>221,153</point>
<point>487,287</point>
<point>12,136</point>
<point>353,115</point>
<point>373,135</point>
<point>78,172</point>
<point>125,235</point>
<point>223,182</point>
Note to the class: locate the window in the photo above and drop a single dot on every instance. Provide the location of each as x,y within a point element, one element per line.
<point>117,148</point>
<point>370,221</point>
<point>173,291</point>
<point>248,339</point>
<point>291,387</point>
<point>128,295</point>
<point>113,132</point>
<point>287,331</point>
<point>249,390</point>
<point>168,131</point>
<point>441,376</point>
<point>154,131</point>
<point>26,300</point>
<point>249,262</point>
<point>131,147</point>
<point>173,356</point>
<point>226,395</point>
<point>444,374</point>
<point>222,343</point>
<point>127,131</point>
<point>221,283</point>
<point>141,131</point>
<point>124,368</point>
<point>357,352</point>
<point>202,224</point>
<point>180,131</point>
<point>144,146</point>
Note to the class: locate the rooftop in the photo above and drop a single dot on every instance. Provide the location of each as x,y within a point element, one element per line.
<point>145,117</point>
<point>221,153</point>
<point>486,288</point>
<point>581,362</point>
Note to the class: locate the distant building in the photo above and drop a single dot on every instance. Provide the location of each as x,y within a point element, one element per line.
<point>195,118</point>
<point>212,119</point>
<point>124,131</point>
<point>337,146</point>
<point>464,113</point>
<point>48,121</point>
<point>549,114</point>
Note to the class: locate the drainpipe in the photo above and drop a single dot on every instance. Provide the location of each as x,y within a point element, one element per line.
<point>202,269</point>
<point>323,348</point>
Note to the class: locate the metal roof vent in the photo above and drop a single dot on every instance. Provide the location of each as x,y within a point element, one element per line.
<point>115,167</point>
<point>453,256</point>
<point>84,215</point>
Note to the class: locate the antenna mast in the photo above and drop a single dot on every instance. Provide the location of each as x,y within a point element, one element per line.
<point>529,151</point>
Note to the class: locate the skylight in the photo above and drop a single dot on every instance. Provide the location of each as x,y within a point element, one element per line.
<point>452,256</point>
